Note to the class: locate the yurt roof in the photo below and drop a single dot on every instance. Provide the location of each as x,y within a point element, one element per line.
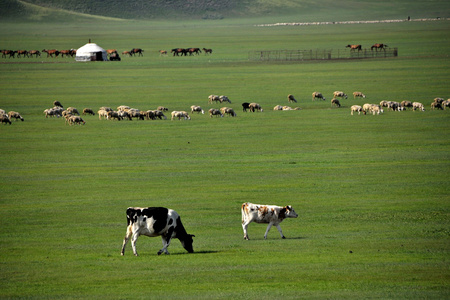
<point>90,48</point>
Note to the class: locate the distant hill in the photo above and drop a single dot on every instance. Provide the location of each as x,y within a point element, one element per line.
<point>320,10</point>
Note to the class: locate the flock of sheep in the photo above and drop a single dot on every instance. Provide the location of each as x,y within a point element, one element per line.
<point>123,112</point>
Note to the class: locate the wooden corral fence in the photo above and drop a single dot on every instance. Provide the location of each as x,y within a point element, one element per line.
<point>293,55</point>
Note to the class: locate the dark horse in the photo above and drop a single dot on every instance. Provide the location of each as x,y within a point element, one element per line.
<point>178,51</point>
<point>137,51</point>
<point>194,50</point>
<point>354,47</point>
<point>379,46</point>
<point>207,51</point>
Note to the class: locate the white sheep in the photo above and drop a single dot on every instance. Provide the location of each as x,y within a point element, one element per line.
<point>446,103</point>
<point>339,94</point>
<point>255,107</point>
<point>357,108</point>
<point>228,111</point>
<point>335,102</point>
<point>215,112</point>
<point>15,115</point>
<point>180,114</point>
<point>73,110</point>
<point>418,105</point>
<point>212,98</point>
<point>223,98</point>
<point>358,94</point>
<point>317,95</point>
<point>197,109</point>
<point>406,104</point>
<point>278,107</point>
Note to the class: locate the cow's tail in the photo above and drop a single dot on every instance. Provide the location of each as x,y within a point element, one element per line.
<point>244,211</point>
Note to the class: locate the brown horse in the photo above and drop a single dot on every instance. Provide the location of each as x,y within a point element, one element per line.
<point>354,47</point>
<point>124,53</point>
<point>379,46</point>
<point>11,53</point>
<point>194,50</point>
<point>35,52</point>
<point>178,51</point>
<point>207,51</point>
<point>111,51</point>
<point>162,52</point>
<point>65,52</point>
<point>137,51</point>
<point>51,52</point>
<point>23,53</point>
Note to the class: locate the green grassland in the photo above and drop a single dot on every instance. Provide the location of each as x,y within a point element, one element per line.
<point>371,191</point>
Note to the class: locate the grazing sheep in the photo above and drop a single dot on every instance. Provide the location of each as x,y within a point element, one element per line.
<point>393,105</point>
<point>162,108</point>
<point>124,114</point>
<point>180,114</point>
<point>88,111</point>
<point>212,98</point>
<point>2,112</point>
<point>445,104</point>
<point>335,102</point>
<point>278,107</point>
<point>291,98</point>
<point>245,106</point>
<point>215,112</point>
<point>197,108</point>
<point>135,113</point>
<point>255,106</point>
<point>376,109</point>
<point>113,115</point>
<point>384,103</point>
<point>123,107</point>
<point>57,103</point>
<point>357,108</point>
<point>358,94</point>
<point>287,108</point>
<point>159,114</point>
<point>73,110</point>
<point>15,115</point>
<point>436,105</point>
<point>339,94</point>
<point>102,113</point>
<point>76,120</point>
<point>224,99</point>
<point>317,95</point>
<point>439,100</point>
<point>228,111</point>
<point>53,112</point>
<point>418,105</point>
<point>4,119</point>
<point>406,104</point>
<point>105,108</point>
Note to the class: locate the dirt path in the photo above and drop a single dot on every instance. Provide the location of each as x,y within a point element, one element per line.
<point>353,22</point>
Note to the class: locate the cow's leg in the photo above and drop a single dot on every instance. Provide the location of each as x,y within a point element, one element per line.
<point>125,240</point>
<point>267,230</point>
<point>281,232</point>
<point>133,242</point>
<point>244,227</point>
<point>166,241</point>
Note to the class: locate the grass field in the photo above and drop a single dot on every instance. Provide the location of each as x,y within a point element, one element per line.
<point>370,190</point>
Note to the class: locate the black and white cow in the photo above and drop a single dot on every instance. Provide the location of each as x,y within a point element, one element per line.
<point>156,221</point>
<point>271,214</point>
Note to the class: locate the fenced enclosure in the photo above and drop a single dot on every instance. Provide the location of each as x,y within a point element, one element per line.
<point>320,54</point>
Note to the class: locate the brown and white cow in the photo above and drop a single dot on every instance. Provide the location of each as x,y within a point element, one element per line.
<point>271,214</point>
<point>156,221</point>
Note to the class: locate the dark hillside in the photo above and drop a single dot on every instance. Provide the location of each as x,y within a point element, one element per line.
<point>296,10</point>
<point>145,9</point>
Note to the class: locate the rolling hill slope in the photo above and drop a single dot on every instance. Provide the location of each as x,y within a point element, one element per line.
<point>294,10</point>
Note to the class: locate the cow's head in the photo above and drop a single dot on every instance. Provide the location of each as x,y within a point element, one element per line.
<point>290,212</point>
<point>187,243</point>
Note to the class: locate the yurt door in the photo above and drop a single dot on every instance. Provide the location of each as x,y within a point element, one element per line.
<point>98,56</point>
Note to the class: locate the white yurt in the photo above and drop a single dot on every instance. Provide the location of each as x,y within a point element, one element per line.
<point>91,52</point>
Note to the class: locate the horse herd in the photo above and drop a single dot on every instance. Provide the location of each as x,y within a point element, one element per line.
<point>374,46</point>
<point>37,53</point>
<point>112,53</point>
